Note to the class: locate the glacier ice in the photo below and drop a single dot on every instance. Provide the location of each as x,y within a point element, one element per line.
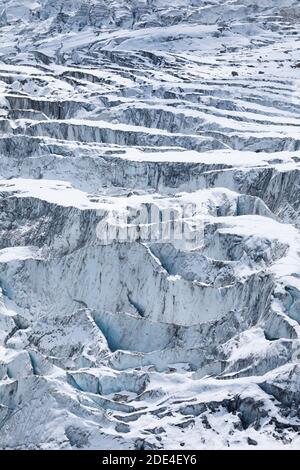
<point>137,344</point>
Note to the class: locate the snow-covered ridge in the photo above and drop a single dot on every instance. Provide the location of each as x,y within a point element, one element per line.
<point>106,105</point>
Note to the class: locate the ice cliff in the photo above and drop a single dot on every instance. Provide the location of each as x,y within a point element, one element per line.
<point>110,104</point>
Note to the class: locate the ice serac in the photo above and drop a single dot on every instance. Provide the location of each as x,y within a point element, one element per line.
<point>106,105</point>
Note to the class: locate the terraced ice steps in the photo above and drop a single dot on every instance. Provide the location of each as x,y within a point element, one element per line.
<point>116,107</point>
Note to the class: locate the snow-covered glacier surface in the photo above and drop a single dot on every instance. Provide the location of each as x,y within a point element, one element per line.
<point>107,104</point>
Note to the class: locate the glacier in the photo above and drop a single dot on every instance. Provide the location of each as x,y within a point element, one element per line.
<point>139,344</point>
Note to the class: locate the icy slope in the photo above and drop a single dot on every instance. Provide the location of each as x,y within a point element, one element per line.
<point>110,105</point>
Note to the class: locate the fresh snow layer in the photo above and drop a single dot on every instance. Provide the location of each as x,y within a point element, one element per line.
<point>109,107</point>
